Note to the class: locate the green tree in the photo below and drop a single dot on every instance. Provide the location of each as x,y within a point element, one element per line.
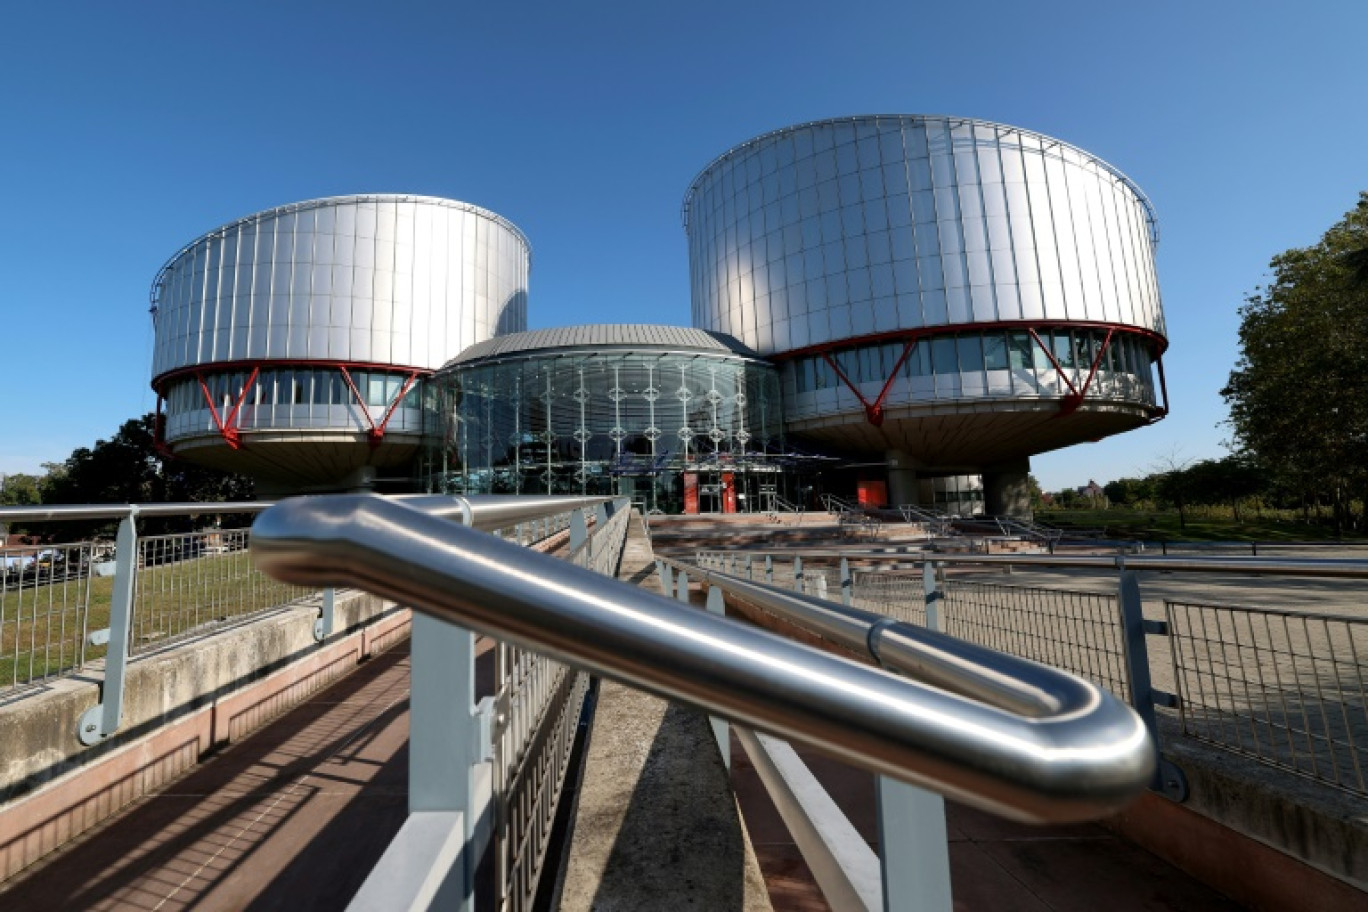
<point>127,468</point>
<point>20,490</point>
<point>1298,396</point>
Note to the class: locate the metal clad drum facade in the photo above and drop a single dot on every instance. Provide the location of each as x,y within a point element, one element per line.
<point>293,344</point>
<point>1017,262</point>
<point>400,280</point>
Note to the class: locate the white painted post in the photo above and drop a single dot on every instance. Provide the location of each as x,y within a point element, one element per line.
<point>102,720</point>
<point>721,732</point>
<point>914,851</point>
<point>444,737</point>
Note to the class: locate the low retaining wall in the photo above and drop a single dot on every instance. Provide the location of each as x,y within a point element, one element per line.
<point>179,705</point>
<point>1266,838</point>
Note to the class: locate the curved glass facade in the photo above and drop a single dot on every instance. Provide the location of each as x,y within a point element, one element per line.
<point>680,431</point>
<point>293,397</point>
<point>1048,364</point>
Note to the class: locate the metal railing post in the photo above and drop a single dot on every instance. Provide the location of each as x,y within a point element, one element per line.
<point>914,848</point>
<point>666,578</point>
<point>769,570</point>
<point>847,585</point>
<point>798,574</point>
<point>717,605</point>
<point>446,741</point>
<point>327,618</point>
<point>102,719</point>
<point>932,593</point>
<point>1168,778</point>
<point>579,530</point>
<point>750,568</point>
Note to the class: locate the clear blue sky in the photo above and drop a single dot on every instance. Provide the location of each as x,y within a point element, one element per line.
<point>128,129</point>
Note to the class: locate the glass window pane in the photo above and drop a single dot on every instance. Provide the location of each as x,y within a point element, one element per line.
<point>1062,344</point>
<point>944,360</point>
<point>995,352</point>
<point>918,362</point>
<point>1021,345</point>
<point>970,353</point>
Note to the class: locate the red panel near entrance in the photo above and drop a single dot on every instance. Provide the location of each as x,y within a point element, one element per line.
<point>872,493</point>
<point>690,492</point>
<point>728,492</point>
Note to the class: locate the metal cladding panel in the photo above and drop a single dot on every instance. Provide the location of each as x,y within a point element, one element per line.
<point>603,335</point>
<point>402,280</point>
<point>859,226</point>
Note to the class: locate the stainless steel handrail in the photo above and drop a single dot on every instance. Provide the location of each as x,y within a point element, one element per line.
<point>61,512</point>
<point>1006,681</point>
<point>1087,761</point>
<point>488,512</point>
<point>1343,568</point>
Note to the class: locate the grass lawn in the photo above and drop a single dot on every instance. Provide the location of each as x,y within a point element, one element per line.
<point>42,627</point>
<point>1163,526</point>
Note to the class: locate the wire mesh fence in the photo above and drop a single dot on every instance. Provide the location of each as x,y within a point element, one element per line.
<point>1283,687</point>
<point>1078,631</point>
<point>48,595</point>
<point>190,584</point>
<point>900,597</point>
<point>540,701</point>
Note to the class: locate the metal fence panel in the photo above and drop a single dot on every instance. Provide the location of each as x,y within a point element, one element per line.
<point>1077,631</point>
<point>192,583</point>
<point>540,702</point>
<point>46,596</point>
<point>899,597</point>
<point>1283,687</point>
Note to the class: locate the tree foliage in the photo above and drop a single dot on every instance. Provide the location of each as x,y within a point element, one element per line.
<point>1298,396</point>
<point>127,468</point>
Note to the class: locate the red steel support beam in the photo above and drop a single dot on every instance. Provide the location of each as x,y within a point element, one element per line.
<point>1071,403</point>
<point>360,400</point>
<point>377,434</point>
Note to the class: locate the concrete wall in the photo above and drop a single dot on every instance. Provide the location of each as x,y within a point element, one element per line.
<point>179,705</point>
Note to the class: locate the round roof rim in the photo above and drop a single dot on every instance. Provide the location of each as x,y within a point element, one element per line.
<point>1150,215</point>
<point>320,202</point>
<point>722,350</point>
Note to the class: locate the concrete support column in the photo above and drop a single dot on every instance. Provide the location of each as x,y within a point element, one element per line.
<point>902,478</point>
<point>1005,489</point>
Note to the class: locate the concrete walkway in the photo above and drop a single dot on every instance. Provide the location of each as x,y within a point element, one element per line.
<point>655,824</point>
<point>294,817</point>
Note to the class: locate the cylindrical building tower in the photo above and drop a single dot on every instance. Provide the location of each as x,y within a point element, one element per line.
<point>293,344</point>
<point>944,295</point>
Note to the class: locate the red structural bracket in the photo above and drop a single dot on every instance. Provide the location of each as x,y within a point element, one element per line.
<point>1069,403</point>
<point>159,432</point>
<point>376,433</point>
<point>1163,386</point>
<point>228,428</point>
<point>1074,398</point>
<point>874,412</point>
<point>360,399</point>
